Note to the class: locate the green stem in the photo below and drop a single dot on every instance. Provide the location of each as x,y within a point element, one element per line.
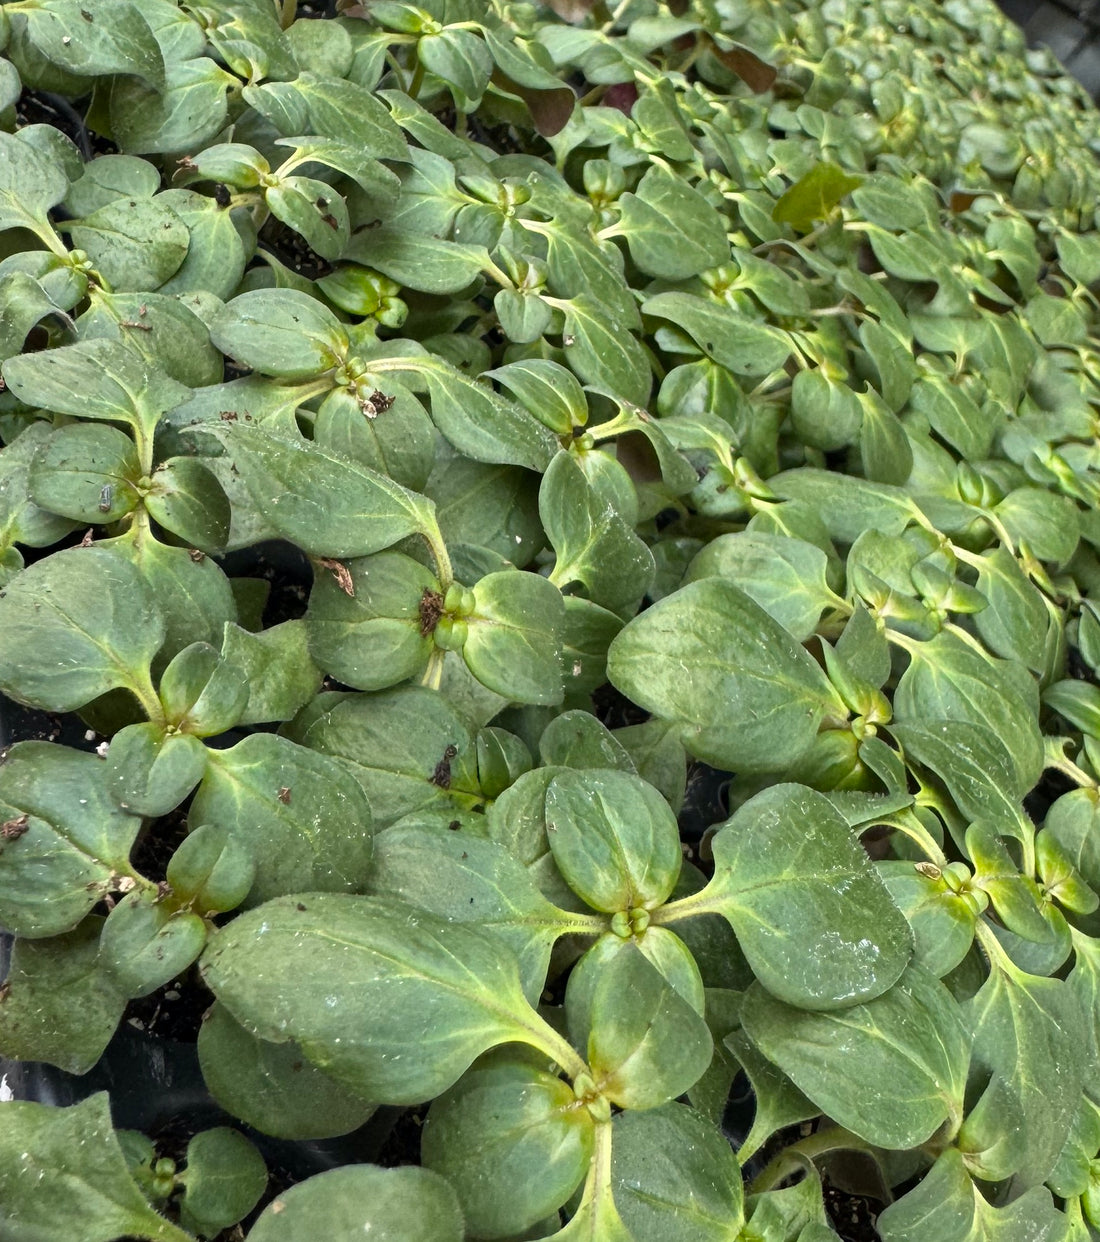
<point>1054,758</point>
<point>444,570</point>
<point>433,674</point>
<point>288,11</point>
<point>417,81</point>
<point>907,823</point>
<point>795,1157</point>
<point>541,1035</point>
<point>141,686</point>
<point>44,231</point>
<point>702,902</point>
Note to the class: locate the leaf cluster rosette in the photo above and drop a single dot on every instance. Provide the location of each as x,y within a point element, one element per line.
<point>647,389</point>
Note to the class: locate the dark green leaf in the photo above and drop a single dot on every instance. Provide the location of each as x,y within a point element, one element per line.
<point>811,914</point>
<point>87,608</point>
<point>401,1205</point>
<point>748,697</point>
<point>59,1006</point>
<point>271,1086</point>
<point>891,1070</point>
<point>63,1175</point>
<point>511,1140</point>
<point>301,814</point>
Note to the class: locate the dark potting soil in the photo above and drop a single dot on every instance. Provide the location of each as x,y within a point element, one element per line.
<point>852,1216</point>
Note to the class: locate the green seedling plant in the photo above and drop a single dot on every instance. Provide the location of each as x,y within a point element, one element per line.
<point>645,391</point>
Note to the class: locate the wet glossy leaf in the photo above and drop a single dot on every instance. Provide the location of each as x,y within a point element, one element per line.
<point>948,1205</point>
<point>674,1177</point>
<point>513,642</point>
<point>746,695</point>
<point>912,1039</point>
<point>62,1174</point>
<point>614,839</point>
<point>326,503</point>
<point>353,980</point>
<point>511,1140</point>
<point>646,1045</point>
<point>401,1205</point>
<point>91,611</point>
<point>302,816</point>
<point>811,914</point>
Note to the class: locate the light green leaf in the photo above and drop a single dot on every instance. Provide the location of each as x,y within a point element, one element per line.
<point>594,545</point>
<point>1030,1033</point>
<point>96,39</point>
<point>379,632</point>
<point>811,914</point>
<point>150,772</point>
<point>748,697</point>
<point>948,1206</point>
<point>186,498</point>
<point>351,979</point>
<point>646,1045</point>
<point>601,349</point>
<point>407,1204</point>
<point>30,183</point>
<point>547,390</point>
<point>672,231</point>
<point>891,1070</point>
<point>418,260</point>
<point>86,472</point>
<point>277,665</point>
<point>185,116</point>
<point>513,643</point>
<point>280,332</point>
<point>135,244</point>
<point>63,1175</point>
<point>786,577</point>
<point>511,1140</point>
<point>480,423</point>
<point>301,814</point>
<point>813,196</point>
<point>470,880</point>
<point>98,379</point>
<point>314,210</point>
<point>144,944</point>
<point>675,1178</point>
<point>223,1181</point>
<point>949,679</point>
<point>743,345</point>
<point>409,748</point>
<point>614,839</point>
<point>77,624</point>
<point>326,503</point>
